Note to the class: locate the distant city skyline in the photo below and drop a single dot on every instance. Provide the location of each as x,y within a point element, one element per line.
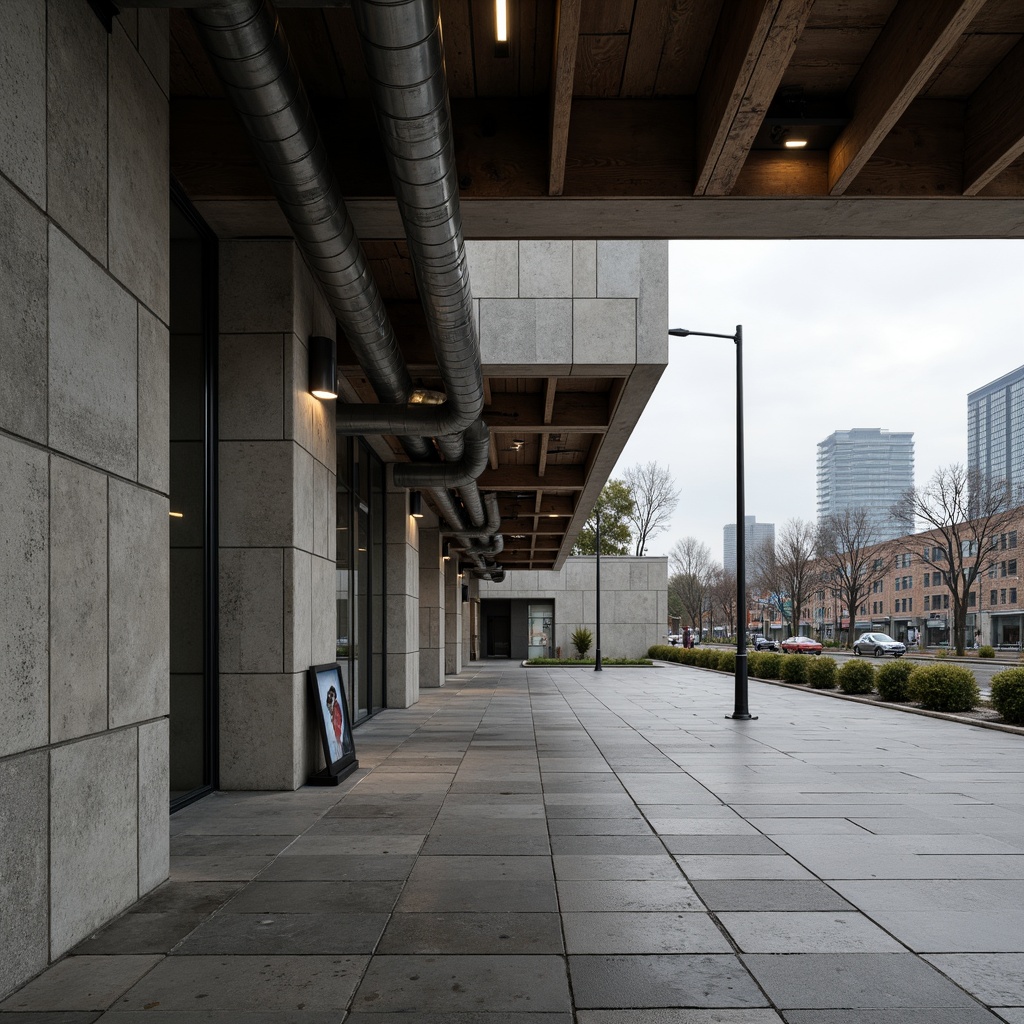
<point>837,333</point>
<point>995,431</point>
<point>866,468</point>
<point>754,535</point>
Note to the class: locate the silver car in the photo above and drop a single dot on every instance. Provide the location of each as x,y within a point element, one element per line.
<point>878,644</point>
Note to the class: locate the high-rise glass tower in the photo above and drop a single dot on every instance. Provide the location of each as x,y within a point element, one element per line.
<point>866,468</point>
<point>995,432</point>
<point>755,535</point>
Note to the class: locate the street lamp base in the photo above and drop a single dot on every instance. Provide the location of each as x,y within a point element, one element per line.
<point>743,718</point>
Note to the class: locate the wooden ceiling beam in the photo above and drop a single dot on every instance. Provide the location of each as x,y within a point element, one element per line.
<point>994,123</point>
<point>750,52</point>
<point>523,478</point>
<point>585,412</point>
<point>563,73</point>
<point>915,40</point>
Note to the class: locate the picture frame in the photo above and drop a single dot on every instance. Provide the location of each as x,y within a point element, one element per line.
<point>330,708</point>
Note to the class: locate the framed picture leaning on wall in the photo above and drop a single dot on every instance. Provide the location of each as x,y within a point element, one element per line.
<point>331,712</point>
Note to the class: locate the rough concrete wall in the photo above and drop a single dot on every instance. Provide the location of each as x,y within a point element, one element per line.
<point>277,501</point>
<point>453,607</point>
<point>402,595</point>
<point>83,474</point>
<point>431,640</point>
<point>634,600</point>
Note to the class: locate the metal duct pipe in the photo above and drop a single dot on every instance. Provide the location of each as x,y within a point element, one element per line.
<point>401,43</point>
<point>458,473</point>
<point>248,51</point>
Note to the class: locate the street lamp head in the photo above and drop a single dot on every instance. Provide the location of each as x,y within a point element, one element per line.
<point>679,332</point>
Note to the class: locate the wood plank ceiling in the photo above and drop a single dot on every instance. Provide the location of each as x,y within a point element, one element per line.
<point>644,118</point>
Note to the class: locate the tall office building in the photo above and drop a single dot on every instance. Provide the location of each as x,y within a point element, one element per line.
<point>755,534</point>
<point>866,468</point>
<point>995,431</point>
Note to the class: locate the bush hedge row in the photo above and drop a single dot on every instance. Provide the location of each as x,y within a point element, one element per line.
<point>936,687</point>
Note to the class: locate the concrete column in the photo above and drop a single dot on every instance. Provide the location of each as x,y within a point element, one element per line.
<point>83,475</point>
<point>452,619</point>
<point>403,594</point>
<point>277,515</point>
<point>432,606</point>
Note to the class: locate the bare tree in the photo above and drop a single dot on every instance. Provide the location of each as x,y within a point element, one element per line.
<point>794,557</point>
<point>723,597</point>
<point>846,544</point>
<point>965,514</point>
<point>655,498</point>
<point>692,576</point>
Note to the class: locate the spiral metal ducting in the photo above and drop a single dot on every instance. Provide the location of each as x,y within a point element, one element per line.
<point>402,46</point>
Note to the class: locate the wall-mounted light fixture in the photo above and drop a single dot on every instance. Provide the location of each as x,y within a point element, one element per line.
<point>445,550</point>
<point>501,48</point>
<point>323,367</point>
<point>416,504</point>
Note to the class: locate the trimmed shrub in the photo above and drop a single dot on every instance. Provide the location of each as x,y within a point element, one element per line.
<point>769,665</point>
<point>892,680</point>
<point>1008,695</point>
<point>727,661</point>
<point>794,669</point>
<point>856,677</point>
<point>754,663</point>
<point>663,652</point>
<point>986,651</point>
<point>706,657</point>
<point>582,639</point>
<point>944,687</point>
<point>821,673</point>
<point>686,655</point>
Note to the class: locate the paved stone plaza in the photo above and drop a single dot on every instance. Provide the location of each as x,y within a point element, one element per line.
<point>555,846</point>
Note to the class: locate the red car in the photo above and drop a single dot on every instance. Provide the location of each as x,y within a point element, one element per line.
<point>801,645</point>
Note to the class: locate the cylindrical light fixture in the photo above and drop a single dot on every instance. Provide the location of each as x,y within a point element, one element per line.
<point>416,504</point>
<point>323,367</point>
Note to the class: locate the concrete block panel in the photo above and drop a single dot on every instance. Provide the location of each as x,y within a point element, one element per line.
<point>250,387</point>
<point>257,499</point>
<point>78,600</point>
<point>256,282</point>
<point>604,332</point>
<point>24,501</point>
<point>139,214</point>
<point>251,609</point>
<point>615,573</point>
<point>303,493</point>
<point>23,272</point>
<point>321,508</point>
<point>154,46</point>
<point>324,638</point>
<point>638,607</point>
<point>23,87</point>
<point>310,420</point>
<point>93,834</point>
<point>403,676</point>
<point>298,610</point>
<point>76,125</point>
<point>187,494</point>
<point>545,270</point>
<point>259,719</point>
<point>530,331</point>
<point>24,868</point>
<point>584,269</point>
<point>154,402</point>
<point>403,624</point>
<point>493,269</point>
<point>93,362</point>
<point>634,269</point>
<point>154,795</point>
<point>139,612</point>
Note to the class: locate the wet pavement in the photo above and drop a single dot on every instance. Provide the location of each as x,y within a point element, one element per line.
<point>561,846</point>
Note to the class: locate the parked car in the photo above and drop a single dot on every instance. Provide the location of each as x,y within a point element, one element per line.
<point>878,644</point>
<point>801,645</point>
<point>764,643</point>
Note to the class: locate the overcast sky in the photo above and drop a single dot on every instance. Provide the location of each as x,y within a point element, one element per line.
<point>836,335</point>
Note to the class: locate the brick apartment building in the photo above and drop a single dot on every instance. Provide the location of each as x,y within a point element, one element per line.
<point>911,601</point>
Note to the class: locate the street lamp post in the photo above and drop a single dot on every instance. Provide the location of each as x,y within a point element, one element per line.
<point>740,709</point>
<point>597,587</point>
